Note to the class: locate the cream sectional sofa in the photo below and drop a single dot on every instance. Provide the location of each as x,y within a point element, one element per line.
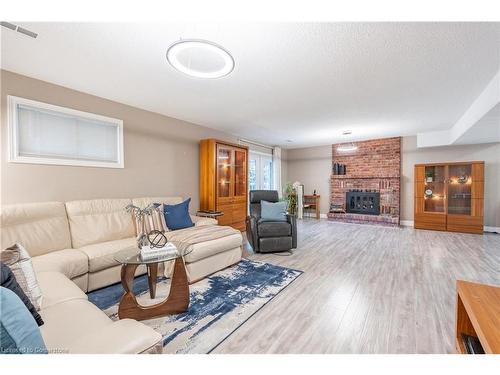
<point>80,238</point>
<point>77,241</point>
<point>72,324</point>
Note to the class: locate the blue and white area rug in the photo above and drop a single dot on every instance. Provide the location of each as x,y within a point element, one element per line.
<point>219,304</point>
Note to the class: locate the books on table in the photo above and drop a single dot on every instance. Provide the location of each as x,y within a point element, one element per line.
<point>169,250</point>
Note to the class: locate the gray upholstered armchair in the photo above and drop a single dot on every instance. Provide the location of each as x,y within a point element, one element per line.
<point>269,236</point>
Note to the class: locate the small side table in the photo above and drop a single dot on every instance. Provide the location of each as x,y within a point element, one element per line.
<point>210,214</point>
<point>177,300</point>
<point>311,202</point>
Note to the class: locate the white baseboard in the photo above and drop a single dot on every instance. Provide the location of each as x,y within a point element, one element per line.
<point>410,223</point>
<point>406,223</point>
<point>492,229</point>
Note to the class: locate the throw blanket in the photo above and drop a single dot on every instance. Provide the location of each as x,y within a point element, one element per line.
<point>184,238</point>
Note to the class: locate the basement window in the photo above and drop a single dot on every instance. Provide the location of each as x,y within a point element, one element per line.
<point>41,133</point>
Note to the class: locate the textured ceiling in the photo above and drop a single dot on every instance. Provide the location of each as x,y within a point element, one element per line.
<point>301,82</point>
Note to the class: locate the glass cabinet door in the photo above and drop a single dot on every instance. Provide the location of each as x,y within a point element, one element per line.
<point>240,173</point>
<point>435,189</point>
<point>459,189</point>
<point>224,169</point>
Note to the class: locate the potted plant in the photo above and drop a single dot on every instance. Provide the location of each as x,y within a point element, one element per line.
<point>291,198</point>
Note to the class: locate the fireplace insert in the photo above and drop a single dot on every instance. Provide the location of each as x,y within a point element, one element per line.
<point>367,203</point>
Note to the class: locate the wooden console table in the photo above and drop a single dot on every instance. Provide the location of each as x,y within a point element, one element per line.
<point>478,315</point>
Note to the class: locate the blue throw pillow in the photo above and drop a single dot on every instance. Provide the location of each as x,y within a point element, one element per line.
<point>273,211</point>
<point>177,215</point>
<point>19,333</point>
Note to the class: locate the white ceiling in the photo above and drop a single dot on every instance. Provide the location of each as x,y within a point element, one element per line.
<point>301,82</point>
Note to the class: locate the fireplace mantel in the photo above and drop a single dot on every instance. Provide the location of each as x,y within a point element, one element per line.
<point>351,177</point>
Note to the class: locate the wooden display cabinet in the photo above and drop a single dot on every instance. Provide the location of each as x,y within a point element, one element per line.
<point>223,181</point>
<point>450,196</point>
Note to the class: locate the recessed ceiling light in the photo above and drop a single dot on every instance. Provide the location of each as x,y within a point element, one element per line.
<point>200,58</point>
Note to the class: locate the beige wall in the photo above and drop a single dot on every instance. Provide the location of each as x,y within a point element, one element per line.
<point>161,153</point>
<point>489,153</point>
<point>312,166</point>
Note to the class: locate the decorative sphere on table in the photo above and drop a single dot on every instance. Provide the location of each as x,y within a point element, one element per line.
<point>157,239</point>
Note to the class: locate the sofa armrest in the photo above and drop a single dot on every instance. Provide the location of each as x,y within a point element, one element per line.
<point>125,336</point>
<point>252,234</point>
<point>200,220</point>
<point>293,222</point>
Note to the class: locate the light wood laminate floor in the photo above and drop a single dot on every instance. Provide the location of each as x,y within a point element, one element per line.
<point>368,289</point>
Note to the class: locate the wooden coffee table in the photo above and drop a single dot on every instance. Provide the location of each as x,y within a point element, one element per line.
<point>177,300</point>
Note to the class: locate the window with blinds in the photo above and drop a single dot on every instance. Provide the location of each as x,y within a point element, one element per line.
<point>46,134</point>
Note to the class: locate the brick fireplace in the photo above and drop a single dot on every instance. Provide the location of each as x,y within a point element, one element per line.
<point>372,178</point>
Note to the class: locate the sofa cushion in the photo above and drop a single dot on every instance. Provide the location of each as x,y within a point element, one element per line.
<point>19,262</point>
<point>146,201</point>
<point>274,229</point>
<point>177,215</point>
<point>67,321</point>
<point>101,255</point>
<point>70,262</point>
<point>8,281</point>
<point>195,250</point>
<point>39,227</point>
<point>200,221</point>
<point>125,336</point>
<point>99,220</point>
<point>19,332</point>
<point>57,288</point>
<point>157,219</point>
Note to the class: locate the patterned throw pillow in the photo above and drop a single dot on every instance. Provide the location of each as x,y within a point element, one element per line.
<point>8,280</point>
<point>19,261</point>
<point>155,221</point>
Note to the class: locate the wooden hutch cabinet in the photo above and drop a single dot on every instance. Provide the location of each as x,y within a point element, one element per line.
<point>450,196</point>
<point>223,181</point>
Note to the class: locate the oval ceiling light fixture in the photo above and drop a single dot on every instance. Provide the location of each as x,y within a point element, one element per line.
<point>200,58</point>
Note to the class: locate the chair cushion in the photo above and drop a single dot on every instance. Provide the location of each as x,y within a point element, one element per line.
<point>70,262</point>
<point>39,227</point>
<point>101,255</point>
<point>273,211</point>
<point>57,288</point>
<point>99,220</point>
<point>274,244</point>
<point>274,229</point>
<point>19,332</point>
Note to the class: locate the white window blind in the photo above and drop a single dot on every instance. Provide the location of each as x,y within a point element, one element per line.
<point>42,133</point>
